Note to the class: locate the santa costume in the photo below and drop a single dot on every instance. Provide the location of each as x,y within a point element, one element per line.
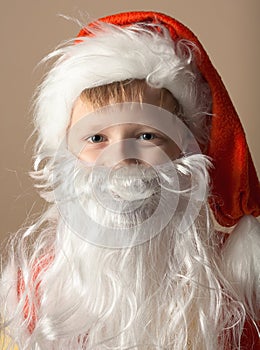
<point>192,288</point>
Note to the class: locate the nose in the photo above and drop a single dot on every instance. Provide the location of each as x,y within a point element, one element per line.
<point>121,153</point>
<point>126,162</point>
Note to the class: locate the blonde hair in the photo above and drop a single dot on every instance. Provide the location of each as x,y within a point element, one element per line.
<point>125,91</point>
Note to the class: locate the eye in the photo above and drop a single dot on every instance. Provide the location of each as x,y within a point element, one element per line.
<point>147,136</point>
<point>95,138</point>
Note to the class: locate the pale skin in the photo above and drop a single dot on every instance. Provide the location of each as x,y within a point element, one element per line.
<point>95,144</point>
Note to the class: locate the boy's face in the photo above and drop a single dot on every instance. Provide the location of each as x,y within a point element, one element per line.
<point>96,143</point>
<point>124,203</point>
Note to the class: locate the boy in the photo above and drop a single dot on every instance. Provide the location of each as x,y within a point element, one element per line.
<point>137,139</point>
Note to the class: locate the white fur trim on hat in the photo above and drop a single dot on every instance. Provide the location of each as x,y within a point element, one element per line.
<point>114,54</point>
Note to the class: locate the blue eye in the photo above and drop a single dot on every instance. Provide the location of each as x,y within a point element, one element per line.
<point>147,136</point>
<point>95,138</point>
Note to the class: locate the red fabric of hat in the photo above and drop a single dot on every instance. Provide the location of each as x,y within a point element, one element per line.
<point>235,189</point>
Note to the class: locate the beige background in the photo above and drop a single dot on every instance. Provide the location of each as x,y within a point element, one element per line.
<point>30,29</point>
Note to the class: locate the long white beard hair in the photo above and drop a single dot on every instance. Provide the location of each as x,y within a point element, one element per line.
<point>169,292</point>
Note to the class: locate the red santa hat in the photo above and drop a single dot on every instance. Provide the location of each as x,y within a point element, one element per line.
<point>235,186</point>
<point>235,189</point>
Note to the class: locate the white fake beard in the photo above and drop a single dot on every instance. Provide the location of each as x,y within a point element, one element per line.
<point>161,294</point>
<point>115,199</point>
<point>139,297</point>
<point>122,207</point>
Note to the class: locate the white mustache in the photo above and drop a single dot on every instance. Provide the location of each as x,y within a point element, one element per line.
<point>131,183</point>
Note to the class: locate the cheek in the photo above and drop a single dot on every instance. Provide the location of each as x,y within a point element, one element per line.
<point>89,155</point>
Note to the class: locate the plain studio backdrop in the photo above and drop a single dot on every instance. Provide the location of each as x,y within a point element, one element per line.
<point>229,31</point>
